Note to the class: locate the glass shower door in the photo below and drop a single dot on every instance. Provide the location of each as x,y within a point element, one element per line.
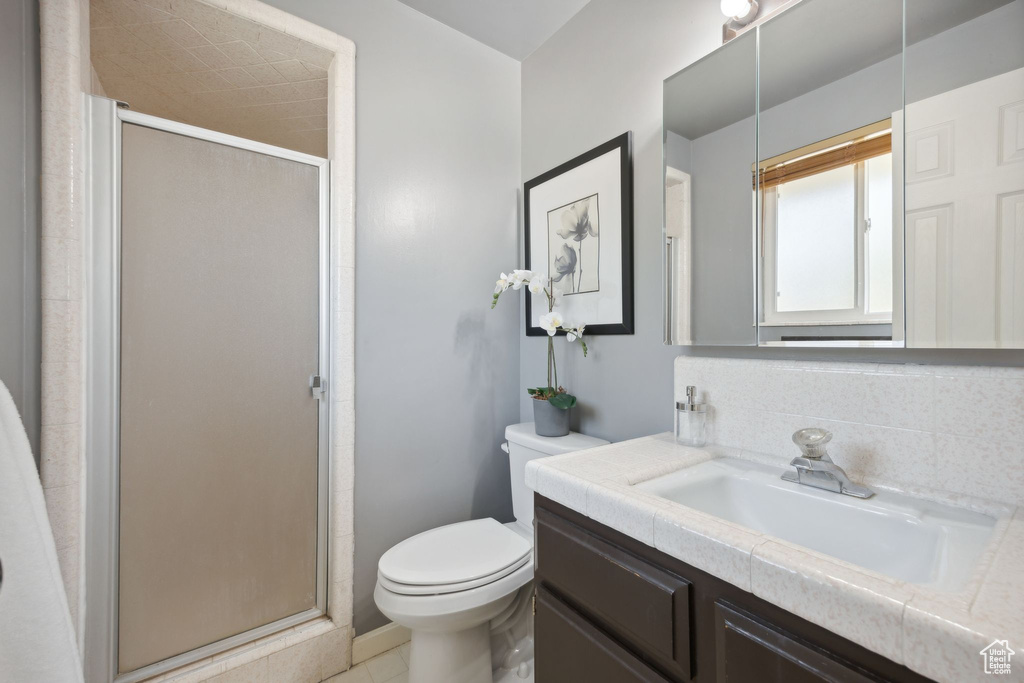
<point>222,441</point>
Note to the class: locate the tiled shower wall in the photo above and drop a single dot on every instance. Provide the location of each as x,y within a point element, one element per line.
<point>62,282</point>
<point>948,428</point>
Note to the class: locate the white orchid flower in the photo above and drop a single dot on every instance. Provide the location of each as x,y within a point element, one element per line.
<point>573,333</point>
<point>550,322</point>
<point>502,284</point>
<point>520,277</point>
<point>537,284</point>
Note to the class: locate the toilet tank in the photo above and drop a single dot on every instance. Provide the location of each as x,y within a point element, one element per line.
<point>525,445</point>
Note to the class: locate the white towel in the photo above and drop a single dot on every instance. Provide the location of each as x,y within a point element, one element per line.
<point>37,639</point>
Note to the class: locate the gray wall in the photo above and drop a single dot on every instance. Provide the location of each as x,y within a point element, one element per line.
<point>19,209</point>
<point>437,166</point>
<point>600,75</point>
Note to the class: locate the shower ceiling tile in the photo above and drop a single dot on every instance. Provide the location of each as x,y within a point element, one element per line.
<point>284,92</point>
<point>142,64</point>
<point>216,37</point>
<point>293,70</point>
<point>265,74</point>
<point>315,71</point>
<point>271,56</point>
<point>130,13</point>
<point>311,54</point>
<point>101,19</point>
<point>211,80</point>
<point>213,57</point>
<point>107,69</point>
<point>153,36</point>
<point>181,58</point>
<point>259,96</point>
<point>240,53</point>
<point>114,40</point>
<point>311,90</point>
<point>183,34</point>
<point>238,77</point>
<point>191,62</point>
<point>277,41</point>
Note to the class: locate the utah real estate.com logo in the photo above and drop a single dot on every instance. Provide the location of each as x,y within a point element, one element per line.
<point>997,657</point>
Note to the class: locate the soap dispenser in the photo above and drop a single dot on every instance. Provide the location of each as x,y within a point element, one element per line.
<point>690,418</point>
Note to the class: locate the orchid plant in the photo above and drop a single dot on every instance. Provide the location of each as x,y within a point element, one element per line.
<point>552,323</point>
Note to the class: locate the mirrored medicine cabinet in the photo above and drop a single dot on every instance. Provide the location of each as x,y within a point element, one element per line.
<point>850,174</point>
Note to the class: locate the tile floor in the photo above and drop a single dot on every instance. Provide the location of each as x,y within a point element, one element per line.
<point>388,667</point>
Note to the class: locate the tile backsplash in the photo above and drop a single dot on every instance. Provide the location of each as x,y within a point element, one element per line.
<point>956,429</point>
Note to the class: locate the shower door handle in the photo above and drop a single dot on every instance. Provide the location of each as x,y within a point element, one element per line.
<point>319,386</point>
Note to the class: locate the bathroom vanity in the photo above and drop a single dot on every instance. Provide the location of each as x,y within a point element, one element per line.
<point>661,562</point>
<point>612,609</point>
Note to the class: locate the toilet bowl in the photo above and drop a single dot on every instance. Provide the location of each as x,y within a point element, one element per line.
<point>460,586</point>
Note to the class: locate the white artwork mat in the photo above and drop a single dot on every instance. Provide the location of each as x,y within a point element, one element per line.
<point>602,177</point>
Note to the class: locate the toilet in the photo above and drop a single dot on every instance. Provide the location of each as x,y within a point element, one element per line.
<point>465,589</point>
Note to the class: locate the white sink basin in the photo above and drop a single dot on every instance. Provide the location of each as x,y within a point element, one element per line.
<point>906,538</point>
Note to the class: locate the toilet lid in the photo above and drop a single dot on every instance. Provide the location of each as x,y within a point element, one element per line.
<point>454,554</point>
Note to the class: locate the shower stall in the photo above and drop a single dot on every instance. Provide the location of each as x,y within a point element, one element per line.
<point>207,425</point>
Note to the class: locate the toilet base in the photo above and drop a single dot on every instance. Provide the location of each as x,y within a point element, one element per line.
<point>454,657</point>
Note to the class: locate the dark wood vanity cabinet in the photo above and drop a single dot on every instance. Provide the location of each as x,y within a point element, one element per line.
<point>610,609</point>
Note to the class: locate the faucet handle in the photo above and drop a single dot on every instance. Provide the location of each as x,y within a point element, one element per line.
<point>812,441</point>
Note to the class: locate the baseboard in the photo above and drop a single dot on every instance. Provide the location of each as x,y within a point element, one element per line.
<point>377,641</point>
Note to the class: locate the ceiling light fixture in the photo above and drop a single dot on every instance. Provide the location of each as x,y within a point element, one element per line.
<point>740,13</point>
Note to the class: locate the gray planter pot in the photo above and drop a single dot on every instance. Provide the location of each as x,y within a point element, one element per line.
<point>549,420</point>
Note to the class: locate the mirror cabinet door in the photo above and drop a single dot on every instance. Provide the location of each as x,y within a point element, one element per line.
<point>830,83</point>
<point>709,149</point>
<point>834,177</point>
<point>965,173</point>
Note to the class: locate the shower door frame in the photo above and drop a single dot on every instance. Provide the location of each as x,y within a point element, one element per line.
<point>104,119</point>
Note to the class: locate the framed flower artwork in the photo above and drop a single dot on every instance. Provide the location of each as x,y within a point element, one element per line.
<point>579,231</point>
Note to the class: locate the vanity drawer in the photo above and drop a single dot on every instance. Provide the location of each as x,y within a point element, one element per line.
<point>571,650</point>
<point>646,607</point>
<point>749,650</point>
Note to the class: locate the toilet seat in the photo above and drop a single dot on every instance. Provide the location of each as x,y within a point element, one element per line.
<point>453,558</point>
<point>413,589</point>
<point>443,611</point>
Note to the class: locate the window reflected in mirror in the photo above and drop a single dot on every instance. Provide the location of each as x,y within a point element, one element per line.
<point>825,184</point>
<point>826,222</point>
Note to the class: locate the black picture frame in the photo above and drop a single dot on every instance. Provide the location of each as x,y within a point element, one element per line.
<point>624,143</point>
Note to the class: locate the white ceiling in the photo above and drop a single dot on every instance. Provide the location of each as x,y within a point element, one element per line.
<point>515,27</point>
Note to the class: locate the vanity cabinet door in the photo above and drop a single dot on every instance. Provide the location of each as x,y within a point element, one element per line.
<point>642,605</point>
<point>571,650</point>
<point>749,650</point>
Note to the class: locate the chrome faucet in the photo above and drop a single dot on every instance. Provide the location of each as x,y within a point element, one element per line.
<point>816,469</point>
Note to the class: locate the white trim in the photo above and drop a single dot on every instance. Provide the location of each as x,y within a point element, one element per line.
<point>157,123</point>
<point>102,385</point>
<point>677,266</point>
<point>838,344</point>
<point>244,638</point>
<point>378,641</point>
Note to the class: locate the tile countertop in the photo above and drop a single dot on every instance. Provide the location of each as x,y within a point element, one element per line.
<point>937,634</point>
